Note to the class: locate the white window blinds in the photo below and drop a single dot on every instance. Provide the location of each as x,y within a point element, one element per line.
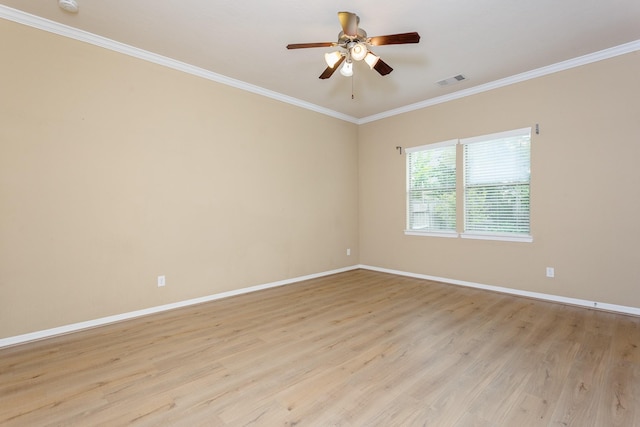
<point>431,188</point>
<point>496,184</point>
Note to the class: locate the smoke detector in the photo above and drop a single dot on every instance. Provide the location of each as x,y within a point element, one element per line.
<point>68,5</point>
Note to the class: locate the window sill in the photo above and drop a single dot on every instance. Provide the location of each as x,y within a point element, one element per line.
<point>497,236</point>
<point>477,236</point>
<point>448,234</point>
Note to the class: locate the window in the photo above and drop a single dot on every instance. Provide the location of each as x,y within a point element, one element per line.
<point>494,197</point>
<point>496,185</point>
<point>431,189</point>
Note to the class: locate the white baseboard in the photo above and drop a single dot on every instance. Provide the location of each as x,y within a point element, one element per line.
<point>61,330</point>
<point>635,311</point>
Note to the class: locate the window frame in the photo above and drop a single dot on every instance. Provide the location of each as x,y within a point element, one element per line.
<point>461,190</point>
<point>433,233</point>
<point>493,235</point>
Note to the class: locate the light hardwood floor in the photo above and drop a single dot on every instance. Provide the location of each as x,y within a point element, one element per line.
<point>355,349</point>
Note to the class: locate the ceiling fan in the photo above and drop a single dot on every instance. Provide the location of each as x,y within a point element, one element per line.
<point>355,46</point>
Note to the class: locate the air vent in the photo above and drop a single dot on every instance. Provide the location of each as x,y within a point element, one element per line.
<point>451,80</point>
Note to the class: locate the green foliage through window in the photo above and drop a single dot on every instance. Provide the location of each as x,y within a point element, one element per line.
<point>496,191</point>
<point>432,189</point>
<point>495,197</point>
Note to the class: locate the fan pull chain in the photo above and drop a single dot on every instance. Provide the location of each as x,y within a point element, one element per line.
<point>352,97</point>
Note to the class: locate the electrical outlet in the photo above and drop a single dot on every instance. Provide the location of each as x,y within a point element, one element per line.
<point>348,251</point>
<point>551,272</point>
<point>161,281</point>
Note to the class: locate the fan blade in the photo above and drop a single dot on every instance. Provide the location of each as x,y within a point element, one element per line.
<point>402,38</point>
<point>382,67</point>
<point>349,22</point>
<point>305,45</point>
<point>328,72</point>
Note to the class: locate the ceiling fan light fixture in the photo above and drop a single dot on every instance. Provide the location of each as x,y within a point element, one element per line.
<point>332,58</point>
<point>354,46</point>
<point>371,60</point>
<point>359,51</point>
<point>347,68</point>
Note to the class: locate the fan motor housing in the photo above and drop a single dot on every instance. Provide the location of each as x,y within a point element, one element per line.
<point>344,39</point>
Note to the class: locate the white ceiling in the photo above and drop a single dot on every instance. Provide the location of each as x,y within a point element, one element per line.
<point>485,40</point>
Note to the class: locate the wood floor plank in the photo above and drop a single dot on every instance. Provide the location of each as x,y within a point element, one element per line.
<point>353,349</point>
<point>579,400</point>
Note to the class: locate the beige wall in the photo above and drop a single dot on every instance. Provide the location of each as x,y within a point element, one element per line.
<point>585,186</point>
<point>114,170</point>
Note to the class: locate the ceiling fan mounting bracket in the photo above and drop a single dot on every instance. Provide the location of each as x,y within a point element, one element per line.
<point>344,39</point>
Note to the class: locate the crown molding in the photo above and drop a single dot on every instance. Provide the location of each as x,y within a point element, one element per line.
<point>96,40</point>
<point>87,37</point>
<point>528,75</point>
